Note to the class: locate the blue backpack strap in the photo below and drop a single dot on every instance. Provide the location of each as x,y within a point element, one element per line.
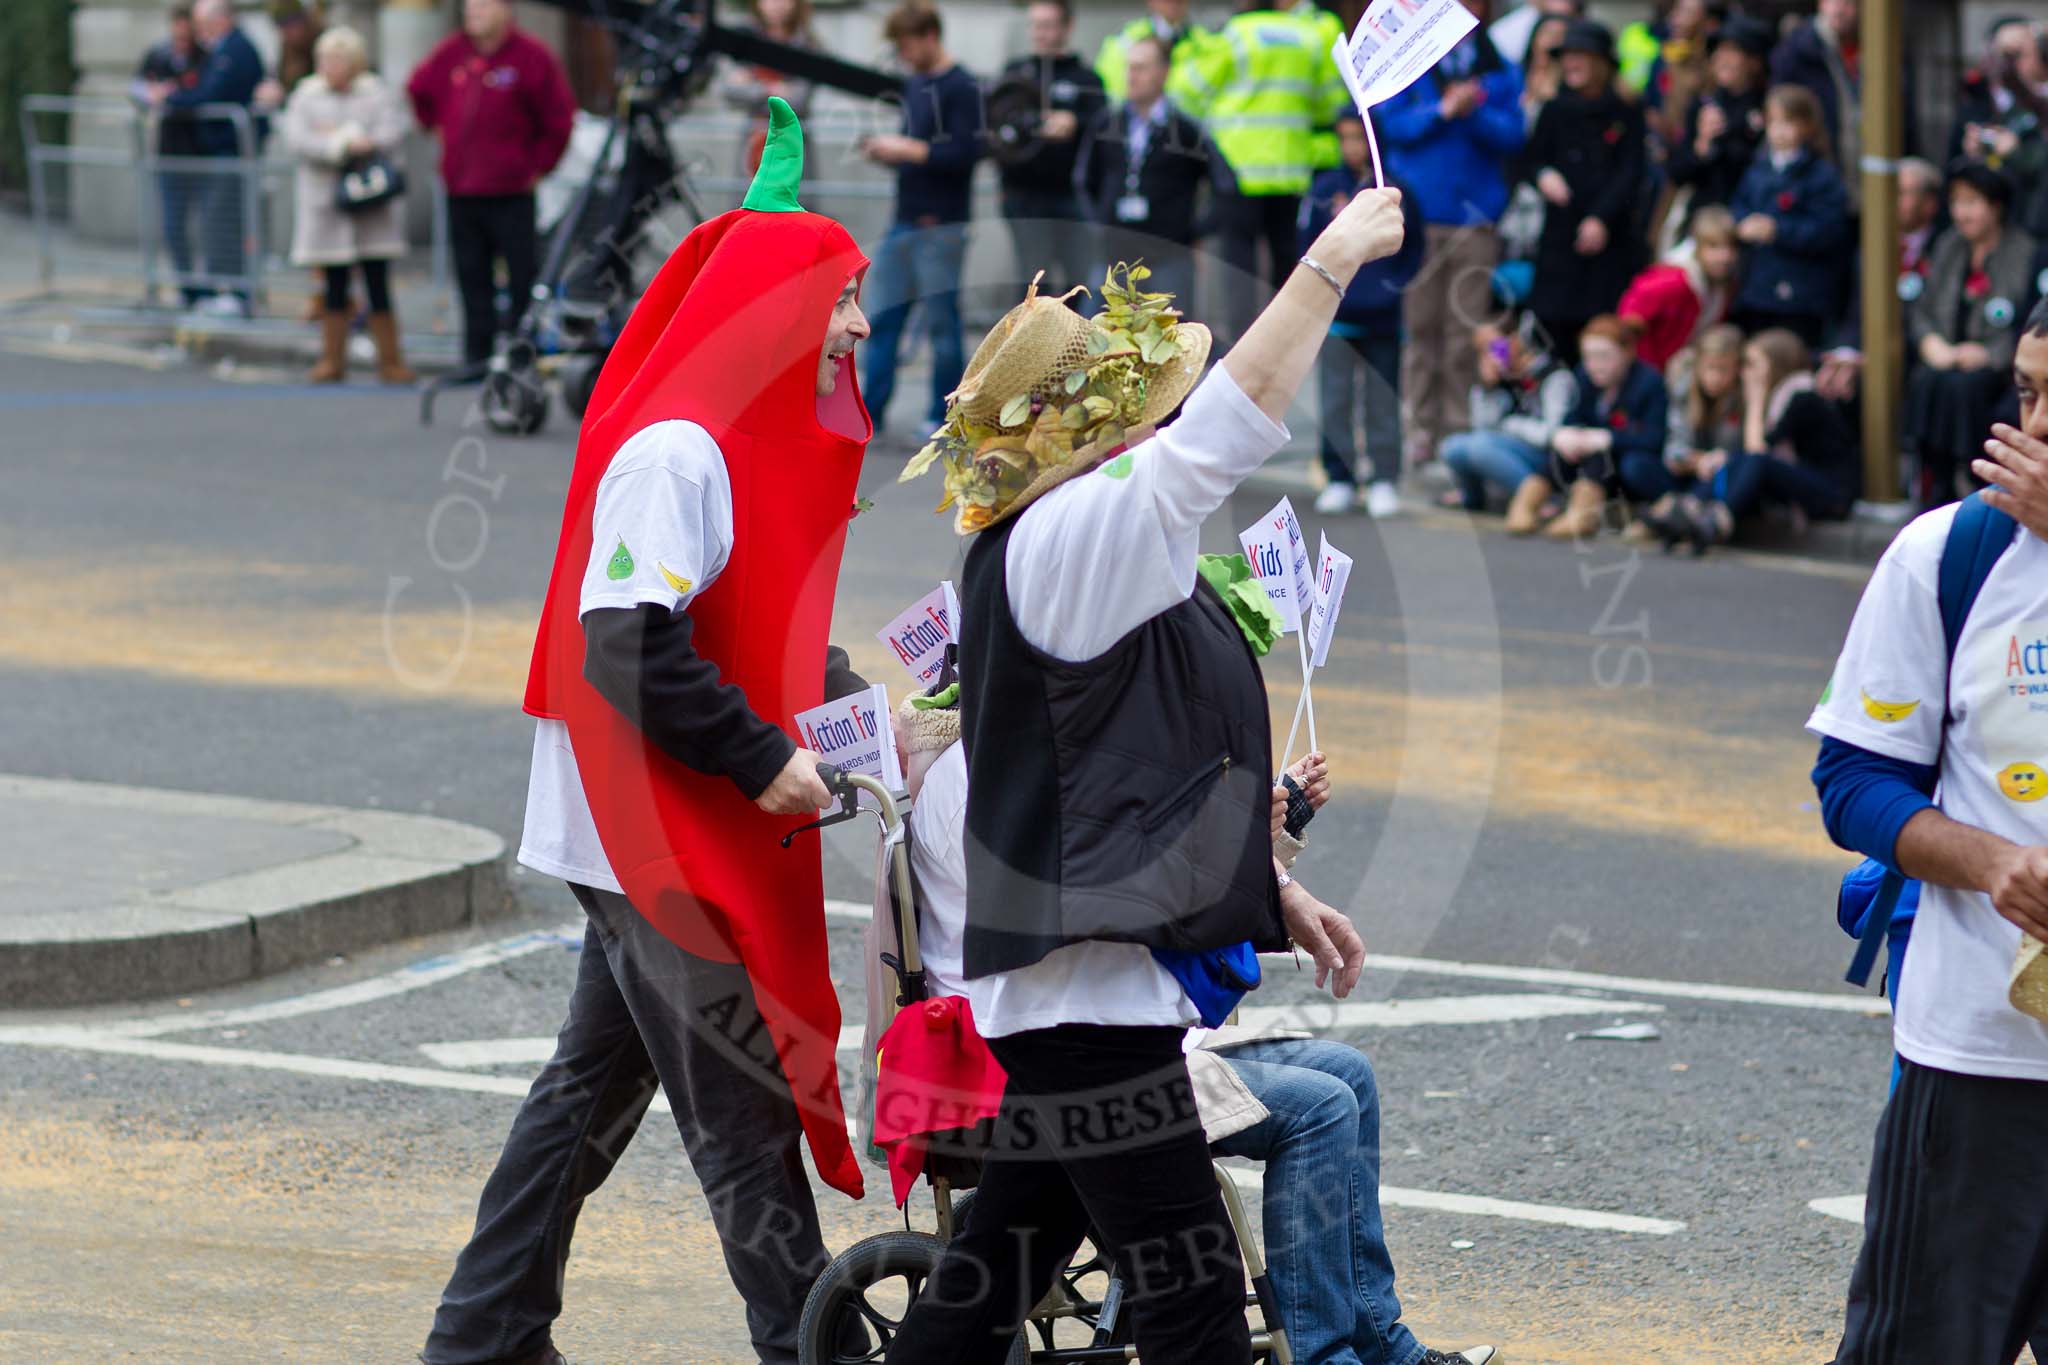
<point>1870,937</point>
<point>1977,537</point>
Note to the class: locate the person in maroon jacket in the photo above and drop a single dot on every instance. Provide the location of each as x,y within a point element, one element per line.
<point>503,107</point>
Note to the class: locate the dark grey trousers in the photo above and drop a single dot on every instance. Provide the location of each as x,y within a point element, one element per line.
<point>643,1011</point>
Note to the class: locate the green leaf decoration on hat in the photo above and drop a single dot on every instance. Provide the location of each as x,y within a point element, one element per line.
<point>1256,616</point>
<point>938,701</point>
<point>782,163</point>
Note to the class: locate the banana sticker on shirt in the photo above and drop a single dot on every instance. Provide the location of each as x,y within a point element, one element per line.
<point>1888,712</point>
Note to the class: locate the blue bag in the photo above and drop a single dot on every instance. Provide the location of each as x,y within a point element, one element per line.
<point>1214,980</point>
<point>1874,901</point>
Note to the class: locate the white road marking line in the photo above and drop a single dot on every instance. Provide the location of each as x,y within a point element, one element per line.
<point>435,970</point>
<point>416,976</point>
<point>1313,1017</point>
<point>490,1052</point>
<point>298,1064</point>
<point>1550,976</point>
<point>1322,1016</point>
<point>426,1078</point>
<point>1847,1207</point>
<point>1483,1206</point>
<point>1636,985</point>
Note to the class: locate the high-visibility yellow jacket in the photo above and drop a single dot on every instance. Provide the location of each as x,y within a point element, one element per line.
<point>1187,47</point>
<point>1269,92</point>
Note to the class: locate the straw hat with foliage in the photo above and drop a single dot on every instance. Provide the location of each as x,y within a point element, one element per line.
<point>1049,395</point>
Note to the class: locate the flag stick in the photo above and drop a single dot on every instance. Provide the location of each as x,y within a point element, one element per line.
<point>1372,142</point>
<point>1301,638</point>
<point>1288,752</point>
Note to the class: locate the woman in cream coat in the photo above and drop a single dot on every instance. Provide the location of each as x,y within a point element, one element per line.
<point>340,115</point>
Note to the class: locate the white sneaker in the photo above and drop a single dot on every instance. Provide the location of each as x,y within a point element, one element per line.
<point>1337,497</point>
<point>1382,500</point>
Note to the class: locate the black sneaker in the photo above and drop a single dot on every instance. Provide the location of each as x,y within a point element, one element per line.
<point>1471,1355</point>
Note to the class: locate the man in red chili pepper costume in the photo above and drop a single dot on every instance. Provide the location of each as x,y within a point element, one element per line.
<point>685,627</point>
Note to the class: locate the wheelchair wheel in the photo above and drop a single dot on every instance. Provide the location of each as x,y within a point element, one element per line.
<point>858,1305</point>
<point>1084,1285</point>
<point>515,403</point>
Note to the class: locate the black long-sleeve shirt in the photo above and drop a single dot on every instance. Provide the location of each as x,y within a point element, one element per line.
<point>641,660</point>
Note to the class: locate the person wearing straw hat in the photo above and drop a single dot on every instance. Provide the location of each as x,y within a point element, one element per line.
<point>1119,856</point>
<point>684,628</point>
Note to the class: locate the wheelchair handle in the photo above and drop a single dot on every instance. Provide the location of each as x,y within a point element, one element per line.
<point>846,788</point>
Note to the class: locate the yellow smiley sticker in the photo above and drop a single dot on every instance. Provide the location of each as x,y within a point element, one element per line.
<point>1888,712</point>
<point>2023,781</point>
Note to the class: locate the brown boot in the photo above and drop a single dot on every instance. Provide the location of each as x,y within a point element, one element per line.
<point>1581,516</point>
<point>333,350</point>
<point>391,366</point>
<point>1525,509</point>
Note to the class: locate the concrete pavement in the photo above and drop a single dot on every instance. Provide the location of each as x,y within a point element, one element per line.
<point>122,893</point>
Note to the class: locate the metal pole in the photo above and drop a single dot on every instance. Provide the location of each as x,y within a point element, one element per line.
<point>149,209</point>
<point>1883,134</point>
<point>39,207</point>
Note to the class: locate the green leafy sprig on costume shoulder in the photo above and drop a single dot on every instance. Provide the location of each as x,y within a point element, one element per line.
<point>1250,607</point>
<point>988,465</point>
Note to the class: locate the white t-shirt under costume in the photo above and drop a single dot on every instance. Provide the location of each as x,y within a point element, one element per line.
<point>1089,563</point>
<point>661,531</point>
<point>1886,695</point>
<point>1082,983</point>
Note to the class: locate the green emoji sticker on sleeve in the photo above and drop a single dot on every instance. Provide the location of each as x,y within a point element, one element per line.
<point>1120,467</point>
<point>621,565</point>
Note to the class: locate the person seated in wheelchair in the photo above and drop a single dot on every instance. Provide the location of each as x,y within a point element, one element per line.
<point>1313,1112</point>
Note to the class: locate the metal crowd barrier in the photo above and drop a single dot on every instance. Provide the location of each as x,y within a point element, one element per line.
<point>196,222</point>
<point>110,207</point>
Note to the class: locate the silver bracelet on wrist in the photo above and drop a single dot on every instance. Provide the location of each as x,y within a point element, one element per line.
<point>1282,880</point>
<point>1313,264</point>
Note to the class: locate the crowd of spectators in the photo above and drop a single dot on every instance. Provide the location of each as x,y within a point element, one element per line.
<point>1683,195</point>
<point>1647,191</point>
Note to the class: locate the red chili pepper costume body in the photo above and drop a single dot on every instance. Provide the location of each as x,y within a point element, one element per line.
<point>729,336</point>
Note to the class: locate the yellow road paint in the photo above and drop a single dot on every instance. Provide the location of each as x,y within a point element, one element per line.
<point>1601,759</point>
<point>305,1239</point>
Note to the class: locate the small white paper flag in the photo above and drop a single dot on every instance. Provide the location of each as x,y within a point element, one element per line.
<point>1295,546</point>
<point>1333,571</point>
<point>919,635</point>
<point>1266,548</point>
<point>1396,42</point>
<point>853,734</point>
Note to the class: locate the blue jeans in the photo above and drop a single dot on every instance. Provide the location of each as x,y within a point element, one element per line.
<point>1638,476</point>
<point>1478,458</point>
<point>1325,1248</point>
<point>918,265</point>
<point>178,194</point>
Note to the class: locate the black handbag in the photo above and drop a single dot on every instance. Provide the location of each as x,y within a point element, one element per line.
<point>367,182</point>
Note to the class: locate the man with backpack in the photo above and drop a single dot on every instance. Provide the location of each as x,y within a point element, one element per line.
<point>1943,680</point>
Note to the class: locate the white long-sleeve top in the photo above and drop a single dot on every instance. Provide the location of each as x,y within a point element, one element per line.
<point>1089,563</point>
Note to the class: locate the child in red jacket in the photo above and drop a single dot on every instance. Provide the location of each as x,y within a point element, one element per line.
<point>1679,297</point>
